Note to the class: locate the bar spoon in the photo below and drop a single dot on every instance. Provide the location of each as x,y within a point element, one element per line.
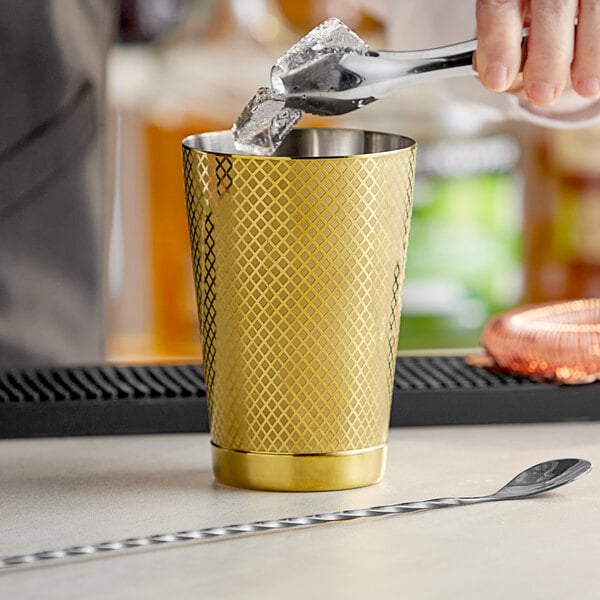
<point>537,479</point>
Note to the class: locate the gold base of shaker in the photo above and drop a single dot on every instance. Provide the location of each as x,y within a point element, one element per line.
<point>299,472</point>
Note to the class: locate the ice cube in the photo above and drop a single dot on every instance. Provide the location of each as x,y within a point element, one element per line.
<point>264,123</point>
<point>330,37</point>
<point>266,120</point>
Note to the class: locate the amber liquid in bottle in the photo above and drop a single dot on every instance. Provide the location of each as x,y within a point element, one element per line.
<point>562,215</point>
<point>175,328</point>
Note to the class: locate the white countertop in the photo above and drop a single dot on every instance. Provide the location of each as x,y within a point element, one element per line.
<point>61,492</point>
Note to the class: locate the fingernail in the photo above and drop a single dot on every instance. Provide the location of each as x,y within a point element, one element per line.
<point>496,77</point>
<point>589,87</point>
<point>542,93</point>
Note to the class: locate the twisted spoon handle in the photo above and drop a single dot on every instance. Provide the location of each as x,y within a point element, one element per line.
<point>212,533</point>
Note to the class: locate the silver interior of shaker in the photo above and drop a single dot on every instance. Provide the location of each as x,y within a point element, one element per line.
<point>310,143</point>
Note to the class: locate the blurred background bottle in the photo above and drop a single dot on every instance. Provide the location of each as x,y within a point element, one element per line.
<point>562,215</point>
<point>170,75</point>
<point>464,255</point>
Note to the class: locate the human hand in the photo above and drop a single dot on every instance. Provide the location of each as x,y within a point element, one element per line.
<point>559,54</point>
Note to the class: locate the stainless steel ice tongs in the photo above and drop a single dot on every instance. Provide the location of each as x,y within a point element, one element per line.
<point>337,83</point>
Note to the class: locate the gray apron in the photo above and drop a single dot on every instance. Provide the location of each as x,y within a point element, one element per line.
<point>52,209</point>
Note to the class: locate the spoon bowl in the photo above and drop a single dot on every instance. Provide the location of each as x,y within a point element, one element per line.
<point>544,477</point>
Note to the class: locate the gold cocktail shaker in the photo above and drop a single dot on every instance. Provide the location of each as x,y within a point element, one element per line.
<point>298,263</point>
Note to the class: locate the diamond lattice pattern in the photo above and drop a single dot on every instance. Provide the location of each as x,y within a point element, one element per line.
<point>299,267</point>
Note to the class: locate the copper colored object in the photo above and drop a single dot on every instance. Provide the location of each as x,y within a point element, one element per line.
<point>558,341</point>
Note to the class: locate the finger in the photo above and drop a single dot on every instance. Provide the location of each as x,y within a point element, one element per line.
<point>499,33</point>
<point>585,70</point>
<point>549,49</point>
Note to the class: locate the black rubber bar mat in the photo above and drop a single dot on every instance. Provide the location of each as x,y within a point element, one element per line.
<point>110,399</point>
